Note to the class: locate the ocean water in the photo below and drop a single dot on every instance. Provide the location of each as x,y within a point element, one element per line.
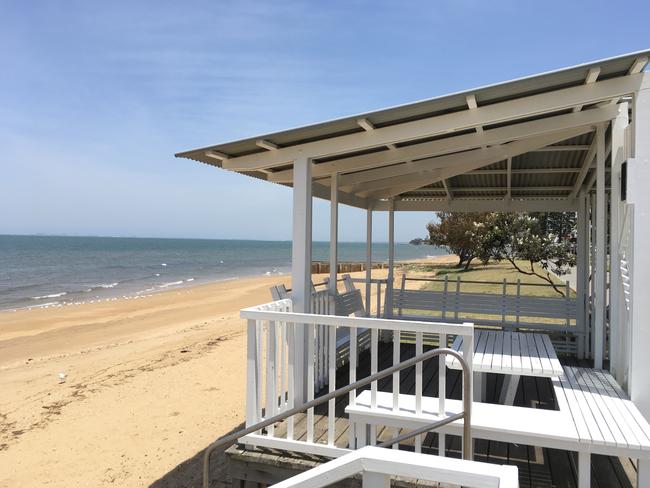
<point>47,271</point>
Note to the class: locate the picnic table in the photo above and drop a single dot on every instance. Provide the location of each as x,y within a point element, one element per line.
<point>513,354</point>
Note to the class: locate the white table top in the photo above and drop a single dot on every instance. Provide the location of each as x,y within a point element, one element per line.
<point>515,353</point>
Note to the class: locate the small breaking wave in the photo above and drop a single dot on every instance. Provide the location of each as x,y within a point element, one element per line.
<point>173,283</point>
<point>53,295</point>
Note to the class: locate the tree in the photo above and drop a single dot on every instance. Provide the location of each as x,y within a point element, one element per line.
<point>542,239</point>
<point>457,232</point>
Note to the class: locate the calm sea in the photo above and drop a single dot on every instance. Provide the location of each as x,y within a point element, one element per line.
<point>45,271</point>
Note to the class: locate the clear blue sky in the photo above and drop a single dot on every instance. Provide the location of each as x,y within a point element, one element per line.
<point>96,97</point>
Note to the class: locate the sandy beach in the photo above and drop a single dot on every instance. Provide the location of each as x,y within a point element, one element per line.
<point>148,384</point>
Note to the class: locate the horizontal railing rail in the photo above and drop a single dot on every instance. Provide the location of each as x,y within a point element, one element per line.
<point>228,440</point>
<point>293,356</point>
<point>378,466</point>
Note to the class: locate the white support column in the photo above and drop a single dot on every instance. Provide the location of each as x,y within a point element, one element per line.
<point>582,272</point>
<point>301,266</point>
<point>388,306</point>
<point>334,231</point>
<point>368,258</point>
<point>592,267</point>
<point>616,304</point>
<point>638,176</point>
<point>601,226</point>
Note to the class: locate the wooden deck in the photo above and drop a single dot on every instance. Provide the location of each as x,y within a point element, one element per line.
<point>538,467</point>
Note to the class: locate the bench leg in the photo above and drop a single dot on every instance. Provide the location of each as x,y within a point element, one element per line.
<point>643,474</point>
<point>352,436</point>
<point>479,387</point>
<point>584,470</point>
<point>375,480</point>
<point>361,433</point>
<point>509,389</point>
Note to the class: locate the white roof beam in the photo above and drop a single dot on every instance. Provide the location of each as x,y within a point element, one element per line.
<point>488,114</point>
<point>477,204</point>
<point>586,165</point>
<point>592,77</point>
<point>445,185</point>
<point>636,68</point>
<point>266,144</point>
<point>493,189</point>
<point>217,155</point>
<point>638,65</point>
<point>527,171</point>
<point>577,147</point>
<point>366,125</point>
<point>453,144</point>
<point>464,163</point>
<point>472,105</point>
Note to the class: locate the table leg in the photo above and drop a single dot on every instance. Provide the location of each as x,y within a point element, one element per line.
<point>509,389</point>
<point>479,387</point>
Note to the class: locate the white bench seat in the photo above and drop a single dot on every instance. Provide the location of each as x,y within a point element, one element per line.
<point>594,416</point>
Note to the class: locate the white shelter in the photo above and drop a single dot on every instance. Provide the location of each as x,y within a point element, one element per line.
<point>575,140</point>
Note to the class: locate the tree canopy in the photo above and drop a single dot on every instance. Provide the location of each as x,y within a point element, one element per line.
<point>527,241</point>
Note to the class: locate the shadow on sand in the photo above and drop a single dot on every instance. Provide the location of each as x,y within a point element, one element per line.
<point>189,473</point>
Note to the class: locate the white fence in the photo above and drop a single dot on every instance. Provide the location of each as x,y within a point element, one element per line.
<point>275,372</point>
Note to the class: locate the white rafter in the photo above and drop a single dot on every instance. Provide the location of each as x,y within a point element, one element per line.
<point>452,144</point>
<point>592,77</point>
<point>477,204</point>
<point>217,155</point>
<point>488,114</point>
<point>265,144</point>
<point>432,171</point>
<point>577,147</point>
<point>366,125</point>
<point>472,105</point>
<point>445,184</point>
<point>638,65</point>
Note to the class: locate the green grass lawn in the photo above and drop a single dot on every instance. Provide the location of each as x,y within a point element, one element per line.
<point>491,277</point>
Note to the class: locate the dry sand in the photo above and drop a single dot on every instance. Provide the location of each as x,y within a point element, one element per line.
<point>149,383</point>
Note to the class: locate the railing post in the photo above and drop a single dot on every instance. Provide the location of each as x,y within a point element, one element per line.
<point>271,374</point>
<point>442,391</point>
<point>252,383</point>
<point>445,297</point>
<point>468,388</point>
<point>457,307</point>
<point>518,307</point>
<point>504,305</point>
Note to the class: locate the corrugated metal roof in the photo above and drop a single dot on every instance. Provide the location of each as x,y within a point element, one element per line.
<point>485,95</point>
<point>535,174</point>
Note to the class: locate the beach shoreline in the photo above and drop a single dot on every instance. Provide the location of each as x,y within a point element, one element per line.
<point>128,389</point>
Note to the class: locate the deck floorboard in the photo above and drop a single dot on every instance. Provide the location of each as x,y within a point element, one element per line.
<point>537,467</point>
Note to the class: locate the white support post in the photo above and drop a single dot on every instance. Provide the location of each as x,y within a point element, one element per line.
<point>601,227</point>
<point>368,259</point>
<point>388,306</point>
<point>334,232</point>
<point>616,305</point>
<point>301,267</point>
<point>638,175</point>
<point>581,271</point>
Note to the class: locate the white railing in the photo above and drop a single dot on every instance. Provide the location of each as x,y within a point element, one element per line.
<point>377,466</point>
<point>625,254</point>
<point>275,372</point>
